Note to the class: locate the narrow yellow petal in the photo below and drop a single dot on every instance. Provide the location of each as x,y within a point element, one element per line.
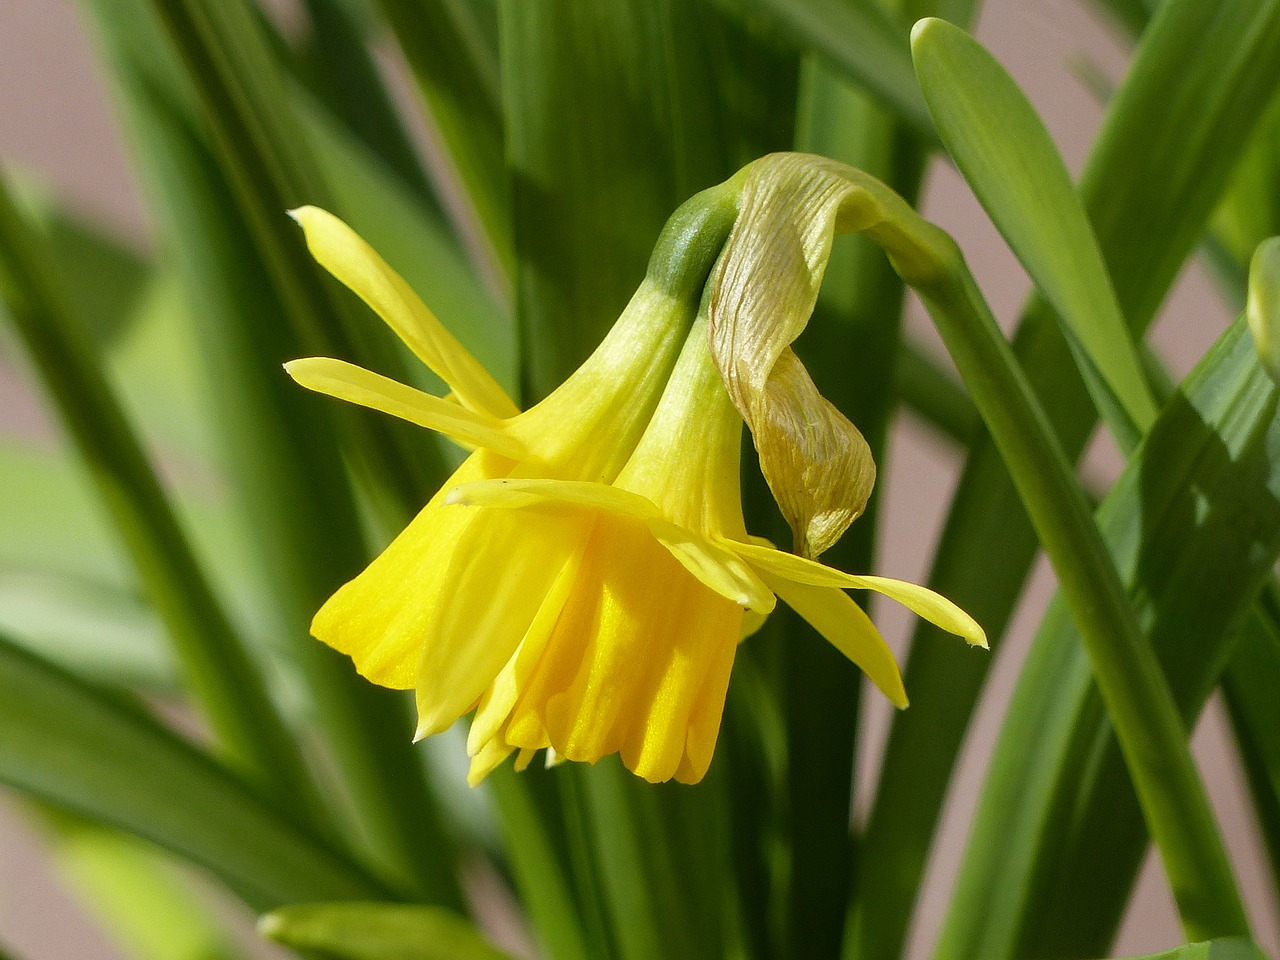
<point>717,567</point>
<point>346,381</point>
<point>342,252</point>
<point>714,565</point>
<point>921,601</point>
<point>486,760</point>
<point>847,628</point>
<point>522,494</point>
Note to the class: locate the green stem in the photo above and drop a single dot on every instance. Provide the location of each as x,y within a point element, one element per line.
<point>224,681</point>
<point>1129,678</point>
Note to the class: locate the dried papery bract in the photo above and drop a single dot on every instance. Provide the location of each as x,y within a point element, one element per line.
<point>766,284</point>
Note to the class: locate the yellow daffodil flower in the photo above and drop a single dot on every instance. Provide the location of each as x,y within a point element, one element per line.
<point>630,649</point>
<point>390,619</point>
<point>583,579</point>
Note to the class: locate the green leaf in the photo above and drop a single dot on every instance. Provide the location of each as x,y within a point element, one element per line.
<point>1150,732</point>
<point>1004,152</point>
<point>106,277</point>
<point>452,49</point>
<point>337,66</point>
<point>934,395</point>
<point>1262,307</point>
<point>1194,524</point>
<point>280,451</point>
<point>75,746</point>
<point>147,907</point>
<point>378,931</point>
<point>1192,97</point>
<point>1249,686</point>
<point>91,628</point>
<point>615,114</point>
<point>857,38</point>
<point>226,683</point>
<point>50,520</point>
<point>1230,948</point>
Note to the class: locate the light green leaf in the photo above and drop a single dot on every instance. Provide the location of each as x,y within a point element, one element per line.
<point>68,743</point>
<point>1004,152</point>
<point>148,908</point>
<point>378,931</point>
<point>1230,948</point>
<point>91,628</point>
<point>1262,307</point>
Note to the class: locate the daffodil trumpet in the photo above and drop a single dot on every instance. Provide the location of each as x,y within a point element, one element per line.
<point>584,578</point>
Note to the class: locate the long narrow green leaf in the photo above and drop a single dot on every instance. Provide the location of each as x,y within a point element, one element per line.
<point>933,394</point>
<point>1249,685</point>
<point>1228,949</point>
<point>586,217</point>
<point>1004,152</point>
<point>148,910</point>
<point>1057,783</point>
<point>378,931</point>
<point>105,278</point>
<point>858,39</point>
<point>1192,97</point>
<point>528,820</point>
<point>72,745</point>
<point>225,682</point>
<point>337,66</point>
<point>452,48</point>
<point>299,512</point>
<point>92,628</point>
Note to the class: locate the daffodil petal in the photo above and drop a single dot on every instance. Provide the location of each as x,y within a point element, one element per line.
<point>846,627</point>
<point>519,493</point>
<point>346,381</point>
<point>342,252</point>
<point>930,605</point>
<point>921,601</point>
<point>482,616</point>
<point>495,706</point>
<point>486,760</point>
<point>717,567</point>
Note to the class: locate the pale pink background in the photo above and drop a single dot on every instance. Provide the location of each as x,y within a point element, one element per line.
<point>55,119</point>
